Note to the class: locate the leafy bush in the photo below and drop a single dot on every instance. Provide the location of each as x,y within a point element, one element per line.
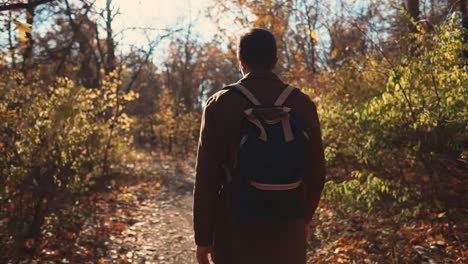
<point>55,142</point>
<point>365,192</point>
<point>406,130</point>
<point>175,129</point>
<point>423,109</point>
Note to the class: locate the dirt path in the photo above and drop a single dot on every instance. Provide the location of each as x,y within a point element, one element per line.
<point>150,221</point>
<point>143,215</point>
<point>158,223</point>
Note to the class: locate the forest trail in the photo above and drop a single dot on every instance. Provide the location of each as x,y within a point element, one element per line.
<point>155,217</point>
<point>150,221</point>
<point>145,216</point>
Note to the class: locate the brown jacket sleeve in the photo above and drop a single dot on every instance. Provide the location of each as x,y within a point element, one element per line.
<point>314,177</point>
<point>207,178</point>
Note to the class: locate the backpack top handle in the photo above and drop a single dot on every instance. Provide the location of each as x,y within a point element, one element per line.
<point>288,134</point>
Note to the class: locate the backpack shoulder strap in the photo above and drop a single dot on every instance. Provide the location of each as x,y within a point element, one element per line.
<point>285,95</point>
<point>245,92</point>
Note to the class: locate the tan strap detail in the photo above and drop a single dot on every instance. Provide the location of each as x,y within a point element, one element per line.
<point>285,123</point>
<point>243,140</point>
<point>247,93</point>
<point>273,121</point>
<point>256,122</point>
<point>275,187</point>
<point>249,112</point>
<point>285,111</point>
<point>284,95</point>
<point>287,131</point>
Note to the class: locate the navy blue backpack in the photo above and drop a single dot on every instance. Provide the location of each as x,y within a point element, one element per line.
<point>265,181</point>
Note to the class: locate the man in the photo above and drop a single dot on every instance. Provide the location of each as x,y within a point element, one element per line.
<point>217,232</point>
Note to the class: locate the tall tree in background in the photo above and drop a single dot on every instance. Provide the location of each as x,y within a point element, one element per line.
<point>308,16</point>
<point>302,38</point>
<point>464,12</point>
<point>109,14</point>
<point>180,69</point>
<point>30,12</point>
<point>412,7</point>
<point>82,28</point>
<point>347,41</point>
<point>216,68</point>
<point>11,45</point>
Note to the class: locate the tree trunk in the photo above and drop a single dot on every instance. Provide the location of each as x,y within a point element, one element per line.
<point>312,23</point>
<point>86,75</point>
<point>11,47</point>
<point>29,40</point>
<point>463,11</point>
<point>412,6</point>
<point>110,63</point>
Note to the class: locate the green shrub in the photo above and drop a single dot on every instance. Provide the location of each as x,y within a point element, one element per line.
<point>405,130</point>
<point>366,192</point>
<point>423,109</point>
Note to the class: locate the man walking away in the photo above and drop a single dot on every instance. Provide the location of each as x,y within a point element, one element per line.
<point>260,166</point>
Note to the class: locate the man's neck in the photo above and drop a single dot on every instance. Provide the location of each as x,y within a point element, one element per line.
<point>260,72</point>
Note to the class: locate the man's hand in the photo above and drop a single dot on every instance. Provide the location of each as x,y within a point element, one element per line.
<point>202,254</point>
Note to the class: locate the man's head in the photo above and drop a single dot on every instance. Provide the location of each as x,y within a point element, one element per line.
<point>256,50</point>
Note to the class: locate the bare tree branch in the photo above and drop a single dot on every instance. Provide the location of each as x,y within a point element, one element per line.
<point>16,6</point>
<point>148,54</point>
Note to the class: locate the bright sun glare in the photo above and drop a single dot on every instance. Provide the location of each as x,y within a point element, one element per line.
<point>157,15</point>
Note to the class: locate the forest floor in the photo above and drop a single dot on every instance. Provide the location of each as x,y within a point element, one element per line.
<point>141,217</point>
<point>148,219</point>
<point>154,216</point>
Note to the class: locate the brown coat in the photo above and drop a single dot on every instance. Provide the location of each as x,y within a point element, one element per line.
<point>219,137</point>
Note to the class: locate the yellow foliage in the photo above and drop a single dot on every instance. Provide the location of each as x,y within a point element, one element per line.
<point>313,34</point>
<point>23,30</point>
<point>61,133</point>
<point>175,129</point>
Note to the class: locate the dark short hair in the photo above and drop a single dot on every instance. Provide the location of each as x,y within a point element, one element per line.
<point>257,48</point>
